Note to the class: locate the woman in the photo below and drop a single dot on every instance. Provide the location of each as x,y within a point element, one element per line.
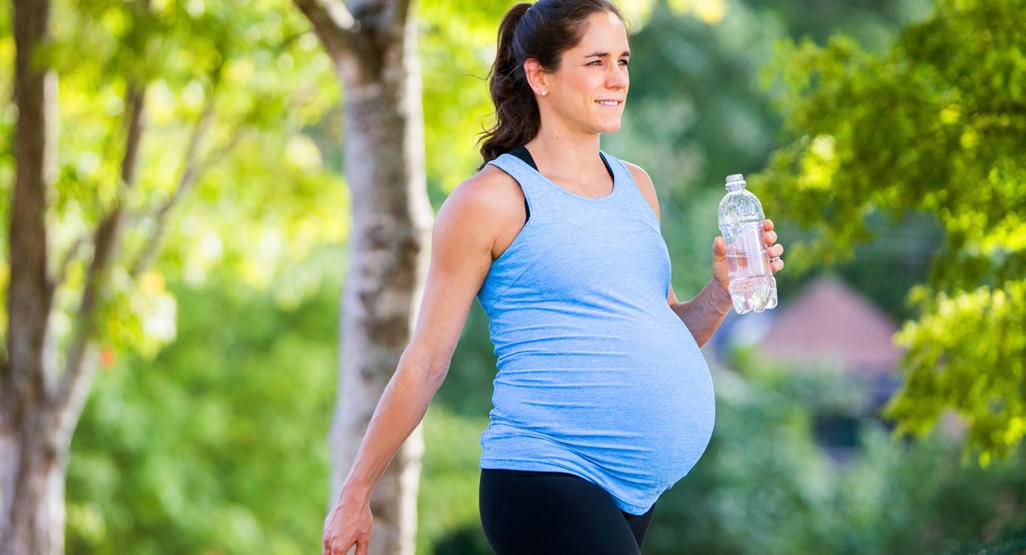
<point>603,399</point>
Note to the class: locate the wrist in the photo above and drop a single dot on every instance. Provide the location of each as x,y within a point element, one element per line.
<point>355,492</point>
<point>721,294</point>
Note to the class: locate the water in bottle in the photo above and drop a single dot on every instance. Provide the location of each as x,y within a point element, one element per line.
<point>752,286</point>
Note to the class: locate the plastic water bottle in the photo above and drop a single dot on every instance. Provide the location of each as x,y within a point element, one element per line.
<point>752,285</point>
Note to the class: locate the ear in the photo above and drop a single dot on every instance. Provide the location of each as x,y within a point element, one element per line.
<point>537,77</point>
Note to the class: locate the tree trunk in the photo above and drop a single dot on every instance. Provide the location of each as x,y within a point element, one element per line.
<point>35,461</point>
<point>391,221</point>
<point>40,409</point>
<point>32,457</point>
<point>375,55</point>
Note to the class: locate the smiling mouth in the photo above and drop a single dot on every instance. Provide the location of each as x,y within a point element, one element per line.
<point>610,103</point>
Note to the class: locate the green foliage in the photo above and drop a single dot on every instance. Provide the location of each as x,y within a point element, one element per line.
<point>968,352</point>
<point>218,443</point>
<point>245,80</point>
<point>8,117</point>
<point>937,125</point>
<point>457,46</point>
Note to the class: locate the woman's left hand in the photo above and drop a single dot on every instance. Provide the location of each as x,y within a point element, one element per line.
<point>720,267</point>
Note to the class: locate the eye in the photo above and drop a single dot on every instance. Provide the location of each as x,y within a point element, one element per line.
<point>599,62</point>
<point>625,62</point>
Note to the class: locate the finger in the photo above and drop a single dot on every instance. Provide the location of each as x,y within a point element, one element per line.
<point>719,246</point>
<point>777,265</point>
<point>767,224</point>
<point>770,237</point>
<point>776,250</point>
<point>362,547</point>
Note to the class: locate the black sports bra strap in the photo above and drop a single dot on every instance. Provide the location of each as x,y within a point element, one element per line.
<point>525,155</point>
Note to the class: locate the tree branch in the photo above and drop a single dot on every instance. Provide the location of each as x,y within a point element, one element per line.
<point>192,169</point>
<point>73,389</point>
<point>62,270</point>
<point>332,22</point>
<point>189,177</point>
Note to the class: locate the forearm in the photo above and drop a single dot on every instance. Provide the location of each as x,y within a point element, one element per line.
<point>705,312</point>
<point>401,408</point>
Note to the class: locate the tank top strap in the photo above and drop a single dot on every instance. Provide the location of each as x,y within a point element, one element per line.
<point>620,174</point>
<point>526,176</point>
<point>538,193</point>
<point>630,200</point>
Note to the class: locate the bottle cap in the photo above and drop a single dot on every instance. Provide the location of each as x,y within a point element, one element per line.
<point>735,181</point>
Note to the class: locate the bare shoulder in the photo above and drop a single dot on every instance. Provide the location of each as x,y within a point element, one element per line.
<point>645,185</point>
<point>490,185</point>
<point>489,193</point>
<point>488,202</point>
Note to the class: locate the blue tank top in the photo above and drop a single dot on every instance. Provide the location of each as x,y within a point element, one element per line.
<point>597,376</point>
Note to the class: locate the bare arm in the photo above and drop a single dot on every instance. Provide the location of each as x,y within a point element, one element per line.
<point>705,312</point>
<point>401,408</point>
<point>460,257</point>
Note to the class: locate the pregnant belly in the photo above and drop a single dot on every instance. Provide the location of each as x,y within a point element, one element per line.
<point>642,402</point>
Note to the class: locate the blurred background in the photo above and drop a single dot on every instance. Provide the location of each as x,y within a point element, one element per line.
<point>879,408</point>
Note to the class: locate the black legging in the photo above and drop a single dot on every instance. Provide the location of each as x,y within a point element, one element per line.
<point>528,512</point>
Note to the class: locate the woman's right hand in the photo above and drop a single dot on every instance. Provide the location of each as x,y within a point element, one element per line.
<point>347,524</point>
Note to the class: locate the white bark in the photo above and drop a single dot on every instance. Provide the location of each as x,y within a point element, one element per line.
<point>374,49</point>
<point>32,478</point>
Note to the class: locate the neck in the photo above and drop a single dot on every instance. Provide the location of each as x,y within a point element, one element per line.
<point>566,153</point>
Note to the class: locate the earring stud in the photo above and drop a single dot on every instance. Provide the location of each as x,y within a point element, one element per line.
<point>545,93</point>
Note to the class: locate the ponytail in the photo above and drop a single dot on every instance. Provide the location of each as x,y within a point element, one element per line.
<point>517,119</point>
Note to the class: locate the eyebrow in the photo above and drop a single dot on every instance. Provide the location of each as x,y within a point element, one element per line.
<point>604,54</point>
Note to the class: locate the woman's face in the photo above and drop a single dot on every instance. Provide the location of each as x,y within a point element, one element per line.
<point>589,90</point>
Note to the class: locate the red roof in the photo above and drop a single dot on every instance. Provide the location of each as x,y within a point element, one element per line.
<point>830,321</point>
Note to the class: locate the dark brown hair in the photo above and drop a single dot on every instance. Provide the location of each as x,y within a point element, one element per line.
<point>542,30</point>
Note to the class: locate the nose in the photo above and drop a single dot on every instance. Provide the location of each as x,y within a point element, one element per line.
<point>618,78</point>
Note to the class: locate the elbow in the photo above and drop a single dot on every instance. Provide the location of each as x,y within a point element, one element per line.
<point>437,375</point>
<point>433,369</point>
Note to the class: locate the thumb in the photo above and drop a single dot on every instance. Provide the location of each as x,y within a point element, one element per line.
<point>719,248</point>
